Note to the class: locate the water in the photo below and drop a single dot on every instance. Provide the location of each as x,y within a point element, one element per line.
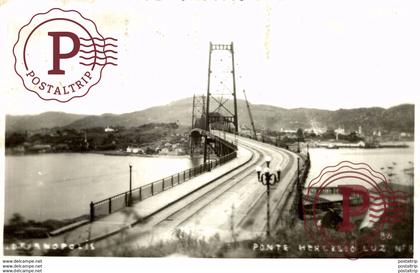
<point>61,186</point>
<point>386,161</point>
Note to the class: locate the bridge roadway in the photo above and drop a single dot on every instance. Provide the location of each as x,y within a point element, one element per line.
<point>227,201</point>
<point>232,206</point>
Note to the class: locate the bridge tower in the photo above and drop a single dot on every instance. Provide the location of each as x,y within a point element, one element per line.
<point>198,120</point>
<point>221,107</point>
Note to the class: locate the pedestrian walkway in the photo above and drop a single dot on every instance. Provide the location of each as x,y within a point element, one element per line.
<point>125,218</point>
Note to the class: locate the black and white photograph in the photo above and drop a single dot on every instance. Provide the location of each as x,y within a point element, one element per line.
<point>207,132</point>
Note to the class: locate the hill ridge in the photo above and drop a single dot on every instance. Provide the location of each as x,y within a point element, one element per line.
<point>395,118</point>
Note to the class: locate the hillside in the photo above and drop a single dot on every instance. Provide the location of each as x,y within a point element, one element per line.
<point>398,118</point>
<point>36,122</point>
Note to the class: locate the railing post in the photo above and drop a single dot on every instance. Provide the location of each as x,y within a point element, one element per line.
<point>152,188</point>
<point>130,201</point>
<point>140,193</point>
<point>184,178</point>
<point>178,178</point>
<point>163,184</point>
<point>109,205</point>
<point>92,211</point>
<point>126,199</point>
<point>172,181</point>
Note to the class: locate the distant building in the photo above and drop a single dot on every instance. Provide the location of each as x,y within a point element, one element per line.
<point>377,133</point>
<point>164,151</point>
<point>315,131</point>
<point>360,144</point>
<point>40,148</point>
<point>404,134</point>
<point>109,129</point>
<point>287,131</point>
<point>174,146</point>
<point>134,150</point>
<point>19,149</point>
<point>340,131</point>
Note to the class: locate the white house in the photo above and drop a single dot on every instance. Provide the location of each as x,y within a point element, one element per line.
<point>134,150</point>
<point>164,151</point>
<point>340,131</point>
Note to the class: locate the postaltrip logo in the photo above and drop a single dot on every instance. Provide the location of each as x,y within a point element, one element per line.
<point>351,204</point>
<point>60,55</point>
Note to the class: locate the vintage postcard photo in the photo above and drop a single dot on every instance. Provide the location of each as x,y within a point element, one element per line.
<point>209,129</point>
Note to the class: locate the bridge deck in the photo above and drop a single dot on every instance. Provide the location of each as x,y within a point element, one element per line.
<point>119,220</point>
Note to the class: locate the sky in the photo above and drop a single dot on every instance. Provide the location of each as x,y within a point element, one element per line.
<point>325,54</point>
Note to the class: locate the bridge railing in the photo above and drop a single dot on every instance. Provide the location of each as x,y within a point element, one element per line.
<point>230,145</point>
<point>117,202</point>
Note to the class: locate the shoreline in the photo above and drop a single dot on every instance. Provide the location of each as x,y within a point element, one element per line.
<point>122,153</point>
<point>108,153</point>
<point>360,145</point>
<point>327,144</point>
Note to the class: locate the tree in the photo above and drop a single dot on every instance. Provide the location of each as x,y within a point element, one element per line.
<point>149,151</point>
<point>15,139</point>
<point>353,137</point>
<point>329,134</point>
<point>300,136</point>
<point>17,220</point>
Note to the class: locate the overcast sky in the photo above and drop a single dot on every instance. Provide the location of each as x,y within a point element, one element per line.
<point>292,53</point>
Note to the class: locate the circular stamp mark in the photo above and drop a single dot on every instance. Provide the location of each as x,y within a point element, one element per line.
<point>60,55</point>
<point>349,206</point>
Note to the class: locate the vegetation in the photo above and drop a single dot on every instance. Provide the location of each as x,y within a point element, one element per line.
<point>18,228</point>
<point>289,241</point>
<point>151,136</point>
<point>395,119</point>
